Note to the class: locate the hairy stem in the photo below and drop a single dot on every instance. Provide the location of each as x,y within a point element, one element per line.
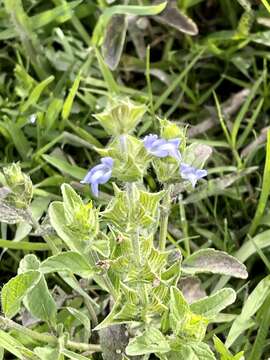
<point>164,217</point>
<point>7,324</point>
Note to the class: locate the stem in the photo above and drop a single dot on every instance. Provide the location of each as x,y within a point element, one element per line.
<point>107,281</point>
<point>135,240</point>
<point>184,224</point>
<point>23,245</point>
<point>7,324</point>
<point>164,217</point>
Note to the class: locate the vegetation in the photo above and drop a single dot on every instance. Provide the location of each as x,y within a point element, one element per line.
<point>155,260</point>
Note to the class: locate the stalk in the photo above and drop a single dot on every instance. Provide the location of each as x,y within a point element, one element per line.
<point>7,324</point>
<point>164,217</point>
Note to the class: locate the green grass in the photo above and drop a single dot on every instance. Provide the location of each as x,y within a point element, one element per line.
<point>51,69</point>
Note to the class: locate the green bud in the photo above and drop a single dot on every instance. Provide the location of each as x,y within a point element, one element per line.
<point>20,186</point>
<point>137,210</point>
<point>130,158</point>
<point>167,169</point>
<point>170,130</point>
<point>81,219</point>
<point>121,118</point>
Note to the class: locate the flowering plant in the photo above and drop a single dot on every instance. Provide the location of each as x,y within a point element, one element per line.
<point>122,248</point>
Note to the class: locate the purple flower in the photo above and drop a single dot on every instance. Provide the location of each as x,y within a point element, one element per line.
<point>192,174</point>
<point>99,174</point>
<point>161,147</point>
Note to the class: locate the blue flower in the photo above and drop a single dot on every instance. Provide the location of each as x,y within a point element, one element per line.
<point>161,147</point>
<point>99,174</point>
<point>192,174</point>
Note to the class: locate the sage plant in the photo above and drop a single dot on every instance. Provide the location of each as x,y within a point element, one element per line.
<point>122,248</point>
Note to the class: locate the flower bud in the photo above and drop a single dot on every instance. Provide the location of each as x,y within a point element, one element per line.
<point>121,118</point>
<point>20,186</point>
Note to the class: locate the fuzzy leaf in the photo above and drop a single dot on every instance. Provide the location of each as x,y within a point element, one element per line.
<point>40,302</point>
<point>210,306</point>
<point>16,289</point>
<point>16,348</point>
<point>192,351</point>
<point>215,262</point>
<point>151,341</point>
<point>69,261</point>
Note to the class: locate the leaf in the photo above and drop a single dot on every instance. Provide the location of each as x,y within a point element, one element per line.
<point>74,356</point>
<point>107,75</point>
<point>124,10</point>
<point>211,305</point>
<point>57,215</point>
<point>15,347</point>
<point>16,289</point>
<point>40,302</point>
<point>192,351</point>
<point>113,44</point>
<point>215,262</point>
<point>173,17</point>
<point>66,168</point>
<point>47,353</point>
<point>15,132</point>
<point>35,94</point>
<point>67,261</point>
<point>151,341</point>
<point>179,310</point>
<point>83,319</point>
<point>251,306</point>
<point>70,98</point>
<point>11,215</point>
<point>224,352</point>
<point>46,17</point>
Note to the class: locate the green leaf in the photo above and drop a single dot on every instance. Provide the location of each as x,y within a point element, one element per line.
<point>83,319</point>
<point>192,351</point>
<point>183,321</point>
<point>210,306</point>
<point>57,215</point>
<point>66,168</point>
<point>46,17</point>
<point>151,341</point>
<point>70,98</point>
<point>224,352</point>
<point>40,302</point>
<point>215,262</point>
<point>179,309</point>
<point>74,356</point>
<point>107,75</point>
<point>16,289</point>
<point>15,347</point>
<point>47,353</point>
<point>251,306</point>
<point>69,261</point>
<point>36,93</point>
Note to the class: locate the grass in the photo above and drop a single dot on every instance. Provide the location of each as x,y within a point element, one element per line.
<point>51,70</point>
